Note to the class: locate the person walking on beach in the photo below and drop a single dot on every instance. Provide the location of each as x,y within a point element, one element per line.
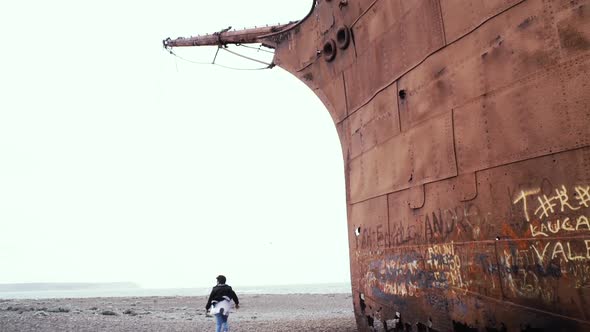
<point>219,303</point>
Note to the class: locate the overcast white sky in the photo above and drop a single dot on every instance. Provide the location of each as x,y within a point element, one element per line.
<point>119,162</point>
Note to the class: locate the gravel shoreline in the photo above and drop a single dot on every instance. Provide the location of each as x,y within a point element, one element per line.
<point>260,313</point>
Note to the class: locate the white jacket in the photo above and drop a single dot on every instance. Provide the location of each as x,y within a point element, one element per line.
<point>226,305</point>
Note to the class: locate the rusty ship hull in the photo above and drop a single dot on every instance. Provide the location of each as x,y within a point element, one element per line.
<point>465,131</point>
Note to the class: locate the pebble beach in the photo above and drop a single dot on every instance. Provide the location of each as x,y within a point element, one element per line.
<point>260,313</point>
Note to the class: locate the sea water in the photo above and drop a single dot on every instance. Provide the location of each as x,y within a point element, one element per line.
<point>326,288</point>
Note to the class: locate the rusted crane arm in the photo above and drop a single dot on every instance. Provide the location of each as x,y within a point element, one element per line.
<point>223,37</point>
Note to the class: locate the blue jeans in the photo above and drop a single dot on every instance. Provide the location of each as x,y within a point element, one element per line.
<point>222,324</point>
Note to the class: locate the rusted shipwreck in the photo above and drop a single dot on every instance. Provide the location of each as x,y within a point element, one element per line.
<point>465,130</point>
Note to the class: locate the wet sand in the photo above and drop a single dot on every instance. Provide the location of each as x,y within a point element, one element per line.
<point>260,313</point>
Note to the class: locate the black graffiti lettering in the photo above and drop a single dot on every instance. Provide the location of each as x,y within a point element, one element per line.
<point>437,222</point>
<point>402,234</point>
<point>428,231</point>
<point>373,237</point>
<point>451,220</point>
<point>366,238</point>
<point>461,220</point>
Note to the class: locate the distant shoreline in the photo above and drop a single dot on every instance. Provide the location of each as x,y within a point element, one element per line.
<point>89,290</point>
<point>54,286</point>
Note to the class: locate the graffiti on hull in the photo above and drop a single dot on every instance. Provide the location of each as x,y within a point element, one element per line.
<point>533,269</point>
